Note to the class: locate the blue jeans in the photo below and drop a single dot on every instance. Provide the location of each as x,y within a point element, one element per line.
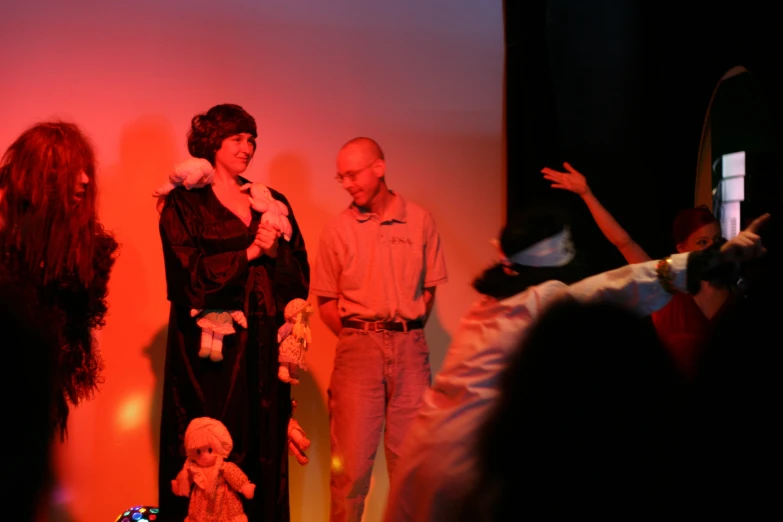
<point>376,376</point>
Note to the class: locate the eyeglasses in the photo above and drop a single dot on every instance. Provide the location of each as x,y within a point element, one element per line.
<point>351,175</point>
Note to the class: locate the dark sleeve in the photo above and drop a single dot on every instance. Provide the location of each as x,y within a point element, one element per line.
<point>708,265</point>
<point>290,271</point>
<point>193,278</point>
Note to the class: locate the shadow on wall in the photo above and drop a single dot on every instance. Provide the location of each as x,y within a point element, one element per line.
<point>136,330</point>
<point>147,154</point>
<point>290,174</point>
<point>155,351</point>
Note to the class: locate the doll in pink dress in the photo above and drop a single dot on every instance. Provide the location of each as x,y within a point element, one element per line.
<point>213,484</point>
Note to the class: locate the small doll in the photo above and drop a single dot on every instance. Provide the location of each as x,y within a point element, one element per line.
<point>207,478</point>
<point>294,338</point>
<point>298,442</point>
<point>215,324</point>
<point>273,211</point>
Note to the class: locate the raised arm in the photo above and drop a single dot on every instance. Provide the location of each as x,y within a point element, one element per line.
<point>575,182</point>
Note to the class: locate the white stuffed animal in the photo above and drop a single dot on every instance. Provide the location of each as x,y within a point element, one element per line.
<point>273,211</point>
<point>191,173</point>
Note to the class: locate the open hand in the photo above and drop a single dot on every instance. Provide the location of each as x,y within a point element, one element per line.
<point>746,245</point>
<point>572,181</point>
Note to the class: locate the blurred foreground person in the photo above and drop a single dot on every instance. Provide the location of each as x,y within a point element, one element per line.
<point>589,420</point>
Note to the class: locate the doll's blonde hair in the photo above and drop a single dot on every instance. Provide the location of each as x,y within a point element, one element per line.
<point>205,431</point>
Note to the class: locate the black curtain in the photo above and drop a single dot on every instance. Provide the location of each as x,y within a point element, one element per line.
<point>620,90</point>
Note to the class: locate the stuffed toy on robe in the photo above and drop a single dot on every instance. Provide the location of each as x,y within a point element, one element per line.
<point>212,484</point>
<point>294,338</point>
<point>273,211</point>
<point>191,173</point>
<point>216,324</point>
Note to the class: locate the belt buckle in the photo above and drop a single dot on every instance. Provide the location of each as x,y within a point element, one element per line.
<point>379,326</point>
<point>370,326</point>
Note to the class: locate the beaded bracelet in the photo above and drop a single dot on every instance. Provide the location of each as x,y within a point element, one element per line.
<point>665,276</point>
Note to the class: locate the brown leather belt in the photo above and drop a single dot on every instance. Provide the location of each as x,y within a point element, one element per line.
<point>377,326</point>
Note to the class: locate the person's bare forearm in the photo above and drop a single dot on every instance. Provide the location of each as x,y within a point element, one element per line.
<point>429,302</point>
<point>612,230</point>
<point>330,314</point>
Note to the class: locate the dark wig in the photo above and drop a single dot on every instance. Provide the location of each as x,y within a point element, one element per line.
<point>39,216</point>
<point>208,130</point>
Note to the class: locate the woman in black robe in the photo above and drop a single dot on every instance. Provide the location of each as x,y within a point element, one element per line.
<point>218,256</point>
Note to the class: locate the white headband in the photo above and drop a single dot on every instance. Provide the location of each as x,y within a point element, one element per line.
<point>557,250</point>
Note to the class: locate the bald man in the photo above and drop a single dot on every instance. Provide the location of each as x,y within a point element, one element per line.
<point>377,268</point>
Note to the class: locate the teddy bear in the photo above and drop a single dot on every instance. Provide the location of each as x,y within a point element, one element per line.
<point>207,478</point>
<point>272,211</point>
<point>294,339</point>
<point>298,442</point>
